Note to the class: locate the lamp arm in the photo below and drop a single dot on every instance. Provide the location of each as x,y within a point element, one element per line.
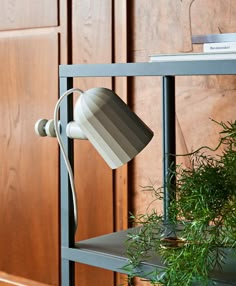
<point>65,157</point>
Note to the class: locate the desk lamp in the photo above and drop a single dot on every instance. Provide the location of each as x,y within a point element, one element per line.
<point>100,116</point>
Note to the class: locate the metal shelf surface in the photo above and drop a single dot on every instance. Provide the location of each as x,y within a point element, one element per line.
<point>109,252</point>
<point>168,68</point>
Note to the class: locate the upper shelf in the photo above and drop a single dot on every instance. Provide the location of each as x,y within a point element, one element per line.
<point>109,252</point>
<point>164,68</point>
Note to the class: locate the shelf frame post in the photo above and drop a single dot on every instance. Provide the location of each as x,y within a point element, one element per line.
<point>169,142</point>
<point>66,202</point>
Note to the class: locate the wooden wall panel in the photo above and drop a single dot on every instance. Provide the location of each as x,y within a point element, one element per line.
<point>33,41</point>
<point>161,26</point>
<point>8,279</point>
<point>166,26</point>
<point>15,14</point>
<point>121,88</point>
<point>29,164</point>
<point>92,43</point>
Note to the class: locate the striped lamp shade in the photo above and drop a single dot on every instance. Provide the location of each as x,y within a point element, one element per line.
<point>107,122</point>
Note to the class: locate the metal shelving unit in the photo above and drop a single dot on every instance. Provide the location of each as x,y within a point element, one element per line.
<point>108,251</point>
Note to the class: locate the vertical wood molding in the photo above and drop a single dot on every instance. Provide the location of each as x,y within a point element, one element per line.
<point>120,30</point>
<point>92,43</point>
<point>120,56</point>
<point>185,16</point>
<point>64,29</point>
<point>120,85</point>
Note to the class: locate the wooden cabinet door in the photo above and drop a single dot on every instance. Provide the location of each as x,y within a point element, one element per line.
<point>29,59</point>
<point>29,164</point>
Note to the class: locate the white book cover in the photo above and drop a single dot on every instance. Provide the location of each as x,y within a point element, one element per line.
<point>192,57</point>
<point>219,47</point>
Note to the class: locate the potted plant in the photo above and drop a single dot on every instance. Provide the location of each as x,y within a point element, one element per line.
<point>202,219</point>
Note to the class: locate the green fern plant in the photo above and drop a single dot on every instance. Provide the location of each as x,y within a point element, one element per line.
<point>203,219</point>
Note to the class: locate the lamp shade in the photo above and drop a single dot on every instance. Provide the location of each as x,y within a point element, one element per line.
<point>107,122</point>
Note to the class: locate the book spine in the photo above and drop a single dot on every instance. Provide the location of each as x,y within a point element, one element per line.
<point>223,47</point>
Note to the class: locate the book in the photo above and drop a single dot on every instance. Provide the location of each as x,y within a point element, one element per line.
<point>192,57</point>
<point>219,47</point>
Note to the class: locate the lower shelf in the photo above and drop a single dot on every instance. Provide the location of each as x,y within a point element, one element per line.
<point>109,252</point>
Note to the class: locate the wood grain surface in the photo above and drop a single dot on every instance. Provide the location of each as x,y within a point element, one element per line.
<point>28,14</point>
<point>12,280</point>
<point>120,186</point>
<point>157,27</point>
<point>33,41</point>
<point>92,43</point>
<point>29,164</point>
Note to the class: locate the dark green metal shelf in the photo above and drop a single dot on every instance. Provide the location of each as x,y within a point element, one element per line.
<point>108,251</point>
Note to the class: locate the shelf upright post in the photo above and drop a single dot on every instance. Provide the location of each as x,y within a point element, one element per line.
<point>66,203</point>
<point>169,141</point>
